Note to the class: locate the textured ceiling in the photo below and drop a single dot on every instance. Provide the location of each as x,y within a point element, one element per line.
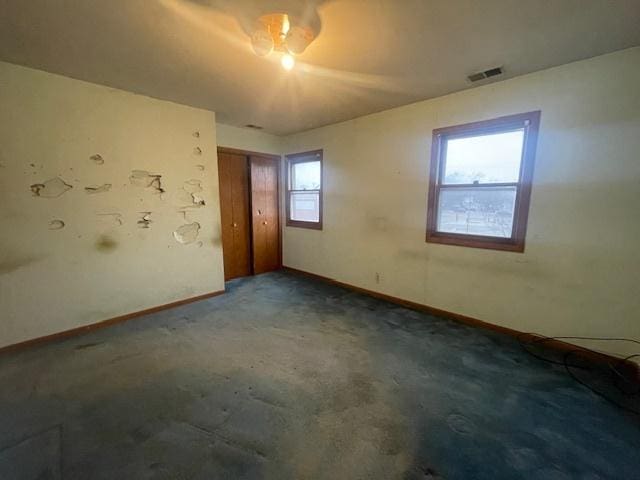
<point>370,55</point>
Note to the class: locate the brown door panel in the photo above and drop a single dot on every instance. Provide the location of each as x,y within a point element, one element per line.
<point>265,214</point>
<point>234,214</point>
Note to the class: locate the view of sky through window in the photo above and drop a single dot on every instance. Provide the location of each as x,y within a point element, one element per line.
<point>305,176</point>
<point>493,158</point>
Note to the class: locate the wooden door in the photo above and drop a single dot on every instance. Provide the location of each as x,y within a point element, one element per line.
<point>233,177</point>
<point>265,214</point>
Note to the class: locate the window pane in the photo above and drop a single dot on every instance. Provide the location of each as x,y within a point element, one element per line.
<point>484,159</point>
<point>477,211</point>
<point>305,206</point>
<point>305,176</point>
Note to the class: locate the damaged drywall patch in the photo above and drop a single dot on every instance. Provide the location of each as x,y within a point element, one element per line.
<point>98,188</point>
<point>196,134</point>
<point>187,195</point>
<point>97,159</point>
<point>142,178</point>
<point>56,225</point>
<point>197,151</point>
<point>200,167</point>
<point>192,187</point>
<point>145,220</point>
<point>187,233</point>
<point>51,188</point>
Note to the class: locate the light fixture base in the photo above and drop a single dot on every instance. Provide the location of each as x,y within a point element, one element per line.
<point>279,32</point>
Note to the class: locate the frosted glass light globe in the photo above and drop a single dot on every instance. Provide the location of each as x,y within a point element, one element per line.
<point>297,40</point>
<point>262,42</point>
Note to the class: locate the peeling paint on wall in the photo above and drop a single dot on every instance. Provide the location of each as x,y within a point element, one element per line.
<point>51,188</point>
<point>187,233</point>
<point>197,151</point>
<point>145,220</point>
<point>142,178</point>
<point>200,167</point>
<point>98,188</point>
<point>187,197</point>
<point>97,159</point>
<point>108,182</point>
<point>56,225</point>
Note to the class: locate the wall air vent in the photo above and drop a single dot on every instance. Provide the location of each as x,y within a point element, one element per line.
<point>475,77</point>
<point>492,72</point>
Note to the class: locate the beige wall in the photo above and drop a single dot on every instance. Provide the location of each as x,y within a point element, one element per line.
<point>580,274</point>
<point>94,268</point>
<point>248,139</point>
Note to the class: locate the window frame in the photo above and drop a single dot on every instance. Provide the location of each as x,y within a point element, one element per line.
<point>293,159</point>
<point>530,121</point>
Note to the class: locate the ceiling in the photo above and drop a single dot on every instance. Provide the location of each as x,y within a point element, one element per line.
<point>369,56</point>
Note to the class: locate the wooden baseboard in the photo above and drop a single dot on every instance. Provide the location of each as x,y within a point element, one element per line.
<point>409,304</point>
<point>103,324</point>
<point>557,345</point>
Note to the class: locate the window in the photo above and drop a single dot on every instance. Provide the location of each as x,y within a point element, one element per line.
<point>304,190</point>
<point>480,182</point>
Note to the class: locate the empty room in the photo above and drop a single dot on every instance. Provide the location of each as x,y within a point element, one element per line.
<point>319,239</point>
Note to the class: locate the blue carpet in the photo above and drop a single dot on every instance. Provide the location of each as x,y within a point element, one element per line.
<point>289,378</point>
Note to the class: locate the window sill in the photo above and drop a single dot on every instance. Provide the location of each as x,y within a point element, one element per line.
<point>476,241</point>
<point>300,224</point>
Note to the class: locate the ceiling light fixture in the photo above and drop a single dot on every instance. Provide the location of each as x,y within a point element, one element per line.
<point>281,33</point>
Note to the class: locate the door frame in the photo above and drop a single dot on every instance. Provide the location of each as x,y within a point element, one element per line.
<point>278,160</point>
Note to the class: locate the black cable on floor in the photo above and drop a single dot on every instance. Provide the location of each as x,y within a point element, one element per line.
<point>627,385</point>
